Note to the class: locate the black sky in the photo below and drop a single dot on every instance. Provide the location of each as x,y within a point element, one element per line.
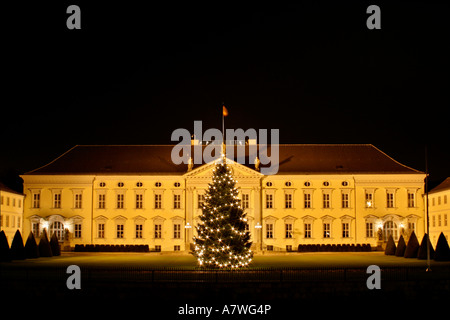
<point>135,73</point>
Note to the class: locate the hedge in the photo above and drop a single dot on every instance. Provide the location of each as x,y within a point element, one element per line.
<point>442,250</point>
<point>111,248</point>
<point>17,247</point>
<point>5,255</point>
<point>390,247</point>
<point>44,246</point>
<point>54,245</point>
<point>422,254</point>
<point>401,247</point>
<point>334,248</point>
<point>31,248</point>
<point>412,247</point>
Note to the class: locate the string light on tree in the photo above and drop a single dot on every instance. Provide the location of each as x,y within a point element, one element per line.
<point>222,241</point>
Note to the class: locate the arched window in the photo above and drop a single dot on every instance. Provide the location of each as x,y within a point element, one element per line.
<point>57,228</point>
<point>390,228</point>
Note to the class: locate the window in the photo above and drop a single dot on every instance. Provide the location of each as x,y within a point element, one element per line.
<point>78,200</point>
<point>101,230</point>
<point>19,202</point>
<point>345,201</point>
<point>139,184</point>
<point>326,183</point>
<point>120,184</point>
<point>369,229</point>
<point>269,201</point>
<point>288,201</point>
<point>307,183</point>
<point>120,201</point>
<point>177,231</point>
<point>411,200</point>
<point>288,183</point>
<point>245,200</point>
<point>139,201</point>
<point>177,184</point>
<point>102,184</point>
<point>120,231</point>
<point>57,200</point>
<point>307,230</point>
<point>344,183</point>
<point>345,230</point>
<point>390,199</point>
<point>157,184</point>
<point>288,229</point>
<point>326,200</point>
<point>439,200</point>
<point>288,247</point>
<point>102,201</point>
<point>57,228</point>
<point>158,231</point>
<point>411,227</point>
<point>268,183</point>
<point>439,220</point>
<point>139,231</point>
<point>326,230</point>
<point>445,200</point>
<point>307,200</point>
<point>36,200</point>
<point>158,248</point>
<point>176,201</point>
<point>77,230</point>
<point>200,200</point>
<point>269,230</point>
<point>269,248</point>
<point>445,219</point>
<point>158,201</point>
<point>369,200</point>
<point>433,219</point>
<point>390,228</point>
<point>35,229</point>
<point>176,248</point>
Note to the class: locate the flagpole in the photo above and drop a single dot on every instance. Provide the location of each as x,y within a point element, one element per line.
<point>427,212</point>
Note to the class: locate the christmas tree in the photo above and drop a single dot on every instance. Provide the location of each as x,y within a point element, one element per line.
<point>222,241</point>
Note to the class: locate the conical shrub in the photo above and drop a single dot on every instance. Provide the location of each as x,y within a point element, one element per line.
<point>5,255</point>
<point>54,244</point>
<point>31,248</point>
<point>390,247</point>
<point>401,247</point>
<point>44,246</point>
<point>442,250</point>
<point>412,247</point>
<point>422,254</point>
<point>17,247</point>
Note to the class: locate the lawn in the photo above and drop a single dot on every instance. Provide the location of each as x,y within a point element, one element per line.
<point>154,260</point>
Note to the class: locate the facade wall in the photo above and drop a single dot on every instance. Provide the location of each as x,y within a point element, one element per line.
<point>11,213</point>
<point>283,211</point>
<point>439,213</point>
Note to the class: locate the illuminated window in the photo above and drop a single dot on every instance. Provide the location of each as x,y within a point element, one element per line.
<point>177,231</point>
<point>119,231</point>
<point>326,230</point>
<point>269,230</point>
<point>307,230</point>
<point>269,201</point>
<point>369,200</point>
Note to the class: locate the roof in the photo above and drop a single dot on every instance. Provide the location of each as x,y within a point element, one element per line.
<point>156,159</point>
<point>7,189</point>
<point>444,185</point>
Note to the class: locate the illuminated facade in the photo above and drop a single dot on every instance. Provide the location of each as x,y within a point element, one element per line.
<point>322,194</point>
<point>11,211</point>
<point>439,211</point>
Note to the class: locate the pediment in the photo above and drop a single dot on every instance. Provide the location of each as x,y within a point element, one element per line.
<point>239,171</point>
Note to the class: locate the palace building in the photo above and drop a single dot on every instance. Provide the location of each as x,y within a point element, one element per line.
<point>439,211</point>
<point>135,194</point>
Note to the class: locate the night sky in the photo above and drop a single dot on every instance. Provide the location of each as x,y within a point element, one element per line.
<point>135,73</point>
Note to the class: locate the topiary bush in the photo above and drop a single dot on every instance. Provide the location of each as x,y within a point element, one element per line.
<point>44,246</point>
<point>401,247</point>
<point>5,255</point>
<point>31,248</point>
<point>17,247</point>
<point>442,250</point>
<point>390,247</point>
<point>422,254</point>
<point>54,245</point>
<point>412,247</point>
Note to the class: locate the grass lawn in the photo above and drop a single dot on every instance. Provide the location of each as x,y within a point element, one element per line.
<point>154,260</point>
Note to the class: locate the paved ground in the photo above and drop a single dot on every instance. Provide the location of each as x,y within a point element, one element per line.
<point>155,260</point>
